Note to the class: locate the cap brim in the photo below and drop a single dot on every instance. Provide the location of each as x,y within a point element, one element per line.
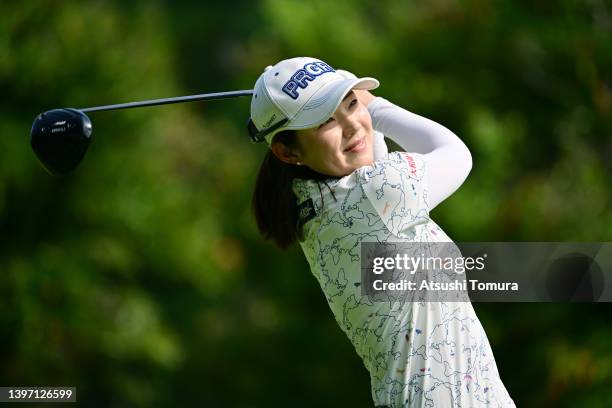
<point>323,103</point>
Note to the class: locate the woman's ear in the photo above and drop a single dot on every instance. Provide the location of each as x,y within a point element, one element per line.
<point>284,153</point>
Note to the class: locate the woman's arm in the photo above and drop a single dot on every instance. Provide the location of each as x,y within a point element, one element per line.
<point>448,159</point>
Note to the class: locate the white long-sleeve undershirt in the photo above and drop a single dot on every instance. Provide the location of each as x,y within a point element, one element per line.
<point>448,159</point>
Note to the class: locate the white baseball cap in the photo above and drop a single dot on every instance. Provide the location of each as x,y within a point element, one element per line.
<point>299,93</point>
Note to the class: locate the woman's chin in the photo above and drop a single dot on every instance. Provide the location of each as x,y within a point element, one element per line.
<point>355,163</point>
<point>364,158</point>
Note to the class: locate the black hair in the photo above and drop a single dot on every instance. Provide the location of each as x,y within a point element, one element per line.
<point>274,204</point>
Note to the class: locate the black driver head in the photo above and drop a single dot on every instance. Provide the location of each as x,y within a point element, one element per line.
<point>60,138</point>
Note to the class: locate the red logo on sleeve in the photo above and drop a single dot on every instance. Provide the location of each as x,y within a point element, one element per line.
<point>411,164</point>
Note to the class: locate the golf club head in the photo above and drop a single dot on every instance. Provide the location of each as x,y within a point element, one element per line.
<point>60,138</point>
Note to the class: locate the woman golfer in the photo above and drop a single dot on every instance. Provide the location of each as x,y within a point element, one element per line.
<point>328,182</point>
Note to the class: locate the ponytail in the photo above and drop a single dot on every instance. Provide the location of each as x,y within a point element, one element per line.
<point>274,204</point>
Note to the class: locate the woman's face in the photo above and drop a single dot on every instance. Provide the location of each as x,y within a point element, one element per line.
<point>340,145</point>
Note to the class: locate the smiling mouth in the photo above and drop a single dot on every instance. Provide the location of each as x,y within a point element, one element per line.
<point>356,146</point>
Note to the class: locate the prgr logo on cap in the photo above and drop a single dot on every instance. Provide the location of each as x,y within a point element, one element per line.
<point>300,78</point>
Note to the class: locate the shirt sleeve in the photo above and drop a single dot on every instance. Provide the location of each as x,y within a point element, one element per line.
<point>448,160</point>
<point>397,189</point>
<point>379,146</point>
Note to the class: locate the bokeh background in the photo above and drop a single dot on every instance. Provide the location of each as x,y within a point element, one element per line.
<point>141,278</point>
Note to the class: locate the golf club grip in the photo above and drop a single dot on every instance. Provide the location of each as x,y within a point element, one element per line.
<point>167,101</point>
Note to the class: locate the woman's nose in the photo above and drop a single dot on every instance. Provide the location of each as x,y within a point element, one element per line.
<point>349,125</point>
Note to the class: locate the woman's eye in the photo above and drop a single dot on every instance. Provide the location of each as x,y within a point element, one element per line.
<point>353,103</point>
<point>326,122</point>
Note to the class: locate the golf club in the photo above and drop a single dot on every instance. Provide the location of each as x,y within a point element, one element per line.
<point>60,137</point>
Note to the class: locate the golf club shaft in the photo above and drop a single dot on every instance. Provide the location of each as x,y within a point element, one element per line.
<point>166,101</point>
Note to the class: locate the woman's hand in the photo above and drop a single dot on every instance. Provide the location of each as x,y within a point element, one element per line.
<point>364,97</point>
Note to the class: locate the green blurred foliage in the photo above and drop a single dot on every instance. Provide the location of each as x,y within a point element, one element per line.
<point>141,278</point>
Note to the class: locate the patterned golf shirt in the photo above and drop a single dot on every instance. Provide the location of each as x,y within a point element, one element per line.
<point>418,354</point>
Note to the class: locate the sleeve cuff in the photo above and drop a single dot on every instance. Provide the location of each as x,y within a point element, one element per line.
<point>377,103</point>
